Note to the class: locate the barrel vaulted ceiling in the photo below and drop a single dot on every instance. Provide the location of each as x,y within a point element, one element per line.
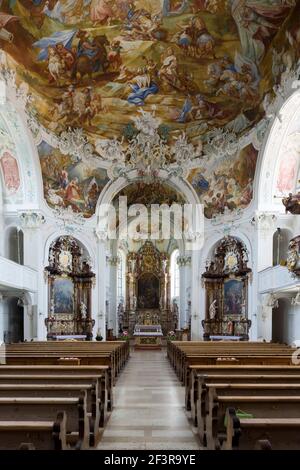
<point>193,78</point>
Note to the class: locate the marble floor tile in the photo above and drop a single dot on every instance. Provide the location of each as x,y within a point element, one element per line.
<point>149,408</point>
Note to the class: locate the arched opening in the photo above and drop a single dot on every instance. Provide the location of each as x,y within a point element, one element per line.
<point>13,320</point>
<point>281,239</point>
<point>15,245</point>
<point>282,324</point>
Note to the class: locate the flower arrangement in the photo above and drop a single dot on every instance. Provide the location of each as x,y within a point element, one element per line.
<point>99,337</point>
<point>171,336</point>
<point>124,336</point>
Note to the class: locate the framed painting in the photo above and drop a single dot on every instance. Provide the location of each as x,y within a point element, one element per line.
<point>148,291</point>
<point>63,295</point>
<point>234,297</point>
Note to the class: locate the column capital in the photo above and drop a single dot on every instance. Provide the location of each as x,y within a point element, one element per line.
<point>101,235</point>
<point>264,221</point>
<point>184,261</point>
<point>113,260</point>
<point>31,219</point>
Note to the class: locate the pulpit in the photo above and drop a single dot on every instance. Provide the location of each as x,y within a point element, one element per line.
<point>147,336</point>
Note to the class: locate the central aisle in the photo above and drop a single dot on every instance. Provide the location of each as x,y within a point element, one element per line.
<point>148,409</point>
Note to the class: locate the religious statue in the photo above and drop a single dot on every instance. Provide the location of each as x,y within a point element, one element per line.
<point>83,310</point>
<point>133,302</point>
<point>213,310</point>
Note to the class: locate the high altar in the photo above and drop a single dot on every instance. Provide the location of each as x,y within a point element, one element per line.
<point>148,289</point>
<point>147,336</point>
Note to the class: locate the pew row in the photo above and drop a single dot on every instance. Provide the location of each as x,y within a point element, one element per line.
<point>20,409</point>
<point>261,433</point>
<point>31,435</point>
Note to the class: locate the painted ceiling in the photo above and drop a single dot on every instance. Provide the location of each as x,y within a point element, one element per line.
<point>198,65</point>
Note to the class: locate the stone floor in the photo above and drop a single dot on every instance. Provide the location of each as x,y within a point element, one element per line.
<point>148,410</point>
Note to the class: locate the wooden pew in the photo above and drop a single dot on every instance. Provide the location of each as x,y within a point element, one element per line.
<point>237,389</point>
<point>266,406</point>
<point>98,381</point>
<point>112,354</point>
<point>195,370</point>
<point>219,350</point>
<point>46,390</point>
<point>34,435</point>
<point>254,433</point>
<point>43,409</point>
<point>103,372</point>
<point>201,381</point>
<point>204,353</point>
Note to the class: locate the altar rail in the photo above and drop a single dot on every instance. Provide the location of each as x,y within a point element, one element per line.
<point>215,327</point>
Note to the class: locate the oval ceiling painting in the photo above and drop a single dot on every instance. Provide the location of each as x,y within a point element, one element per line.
<point>198,65</point>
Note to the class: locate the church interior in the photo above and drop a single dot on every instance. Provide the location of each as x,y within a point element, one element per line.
<point>149,224</point>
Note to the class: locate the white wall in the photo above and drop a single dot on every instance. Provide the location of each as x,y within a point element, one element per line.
<point>286,322</point>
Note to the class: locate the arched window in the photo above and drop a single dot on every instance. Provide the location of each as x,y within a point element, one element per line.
<point>121,281</point>
<point>174,273</point>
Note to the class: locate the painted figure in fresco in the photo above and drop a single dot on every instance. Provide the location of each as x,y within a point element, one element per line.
<point>287,172</point>
<point>200,183</point>
<point>114,55</point>
<point>65,108</point>
<point>195,39</point>
<point>247,193</point>
<point>65,11</point>
<point>91,54</point>
<point>240,81</point>
<point>92,194</point>
<point>174,7</point>
<point>215,71</point>
<point>73,196</point>
<point>10,171</point>
<point>141,24</point>
<point>142,86</point>
<point>122,8</point>
<point>64,179</point>
<point>212,6</point>
<point>169,71</point>
<point>257,24</point>
<point>198,108</point>
<point>56,65</point>
<point>67,56</point>
<point>101,12</point>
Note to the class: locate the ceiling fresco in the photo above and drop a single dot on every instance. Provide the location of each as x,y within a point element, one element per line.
<point>69,183</point>
<point>200,65</point>
<point>152,193</point>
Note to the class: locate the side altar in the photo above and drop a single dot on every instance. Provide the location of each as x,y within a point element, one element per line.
<point>147,336</point>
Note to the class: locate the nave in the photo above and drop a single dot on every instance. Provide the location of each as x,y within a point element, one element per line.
<point>149,407</point>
